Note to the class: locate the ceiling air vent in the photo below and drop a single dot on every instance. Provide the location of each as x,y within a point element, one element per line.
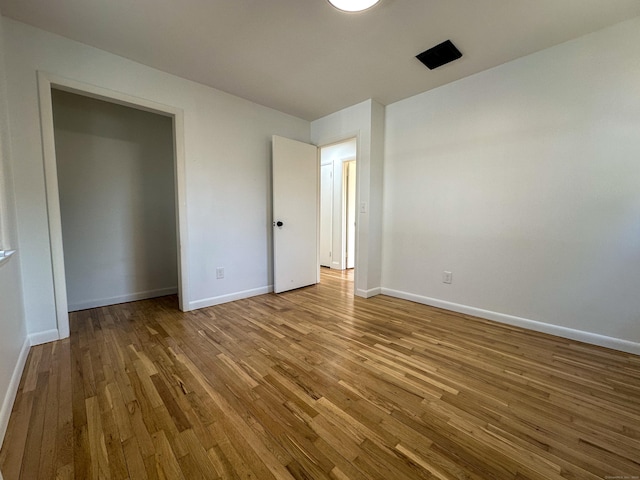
<point>439,55</point>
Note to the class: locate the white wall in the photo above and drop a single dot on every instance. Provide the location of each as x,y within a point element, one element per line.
<point>115,169</point>
<point>366,122</point>
<point>335,155</point>
<point>227,147</point>
<point>524,181</point>
<point>13,338</point>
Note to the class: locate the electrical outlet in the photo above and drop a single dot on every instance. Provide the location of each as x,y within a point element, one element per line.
<point>447,277</point>
<point>219,273</point>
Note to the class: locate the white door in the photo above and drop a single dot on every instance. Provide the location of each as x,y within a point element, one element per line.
<point>351,213</point>
<point>326,213</point>
<point>295,214</point>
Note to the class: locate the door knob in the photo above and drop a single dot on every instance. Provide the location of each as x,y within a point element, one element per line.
<point>278,224</point>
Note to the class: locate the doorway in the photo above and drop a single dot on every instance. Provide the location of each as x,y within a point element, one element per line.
<point>47,82</point>
<point>117,201</point>
<point>338,197</point>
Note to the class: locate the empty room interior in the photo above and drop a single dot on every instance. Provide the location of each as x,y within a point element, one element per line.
<point>320,239</point>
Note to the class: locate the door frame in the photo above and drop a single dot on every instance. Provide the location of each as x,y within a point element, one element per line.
<point>345,211</point>
<point>47,81</point>
<point>336,141</point>
<point>320,210</point>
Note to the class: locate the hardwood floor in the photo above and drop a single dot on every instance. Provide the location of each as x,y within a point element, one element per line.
<point>315,384</point>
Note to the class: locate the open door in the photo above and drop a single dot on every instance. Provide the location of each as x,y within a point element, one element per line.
<point>295,214</point>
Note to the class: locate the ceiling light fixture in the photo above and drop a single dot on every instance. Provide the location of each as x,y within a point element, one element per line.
<point>353,5</point>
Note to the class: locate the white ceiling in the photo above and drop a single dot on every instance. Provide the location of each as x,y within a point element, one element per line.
<point>304,57</point>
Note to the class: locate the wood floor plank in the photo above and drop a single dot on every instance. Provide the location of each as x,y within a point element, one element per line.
<point>99,461</point>
<point>33,444</point>
<point>64,430</point>
<point>166,463</point>
<point>47,466</point>
<point>134,460</point>
<point>318,384</point>
<point>17,431</point>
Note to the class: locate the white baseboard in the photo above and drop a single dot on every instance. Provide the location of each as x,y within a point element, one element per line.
<point>372,292</point>
<point>131,297</point>
<point>12,390</point>
<point>230,297</point>
<point>570,333</point>
<point>47,336</point>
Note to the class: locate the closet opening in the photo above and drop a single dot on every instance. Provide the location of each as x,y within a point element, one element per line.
<point>116,196</point>
<point>116,186</point>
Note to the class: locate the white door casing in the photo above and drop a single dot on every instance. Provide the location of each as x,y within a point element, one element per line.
<point>47,81</point>
<point>326,214</point>
<point>350,217</point>
<point>295,169</point>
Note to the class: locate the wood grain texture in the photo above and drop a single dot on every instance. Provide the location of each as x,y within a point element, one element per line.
<point>317,384</point>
